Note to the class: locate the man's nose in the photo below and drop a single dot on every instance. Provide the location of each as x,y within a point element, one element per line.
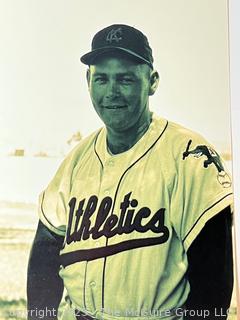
<point>112,89</point>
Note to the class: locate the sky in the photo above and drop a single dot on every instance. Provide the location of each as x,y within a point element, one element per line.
<point>43,91</point>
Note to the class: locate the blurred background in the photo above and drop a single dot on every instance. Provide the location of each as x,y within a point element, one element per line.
<point>45,108</point>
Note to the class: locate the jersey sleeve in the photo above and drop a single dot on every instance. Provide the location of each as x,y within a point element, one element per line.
<point>54,200</point>
<point>52,207</point>
<point>202,188</point>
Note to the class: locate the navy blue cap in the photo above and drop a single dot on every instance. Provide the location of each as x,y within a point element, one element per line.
<point>123,38</point>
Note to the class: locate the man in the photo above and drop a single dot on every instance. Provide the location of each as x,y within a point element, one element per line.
<point>137,219</point>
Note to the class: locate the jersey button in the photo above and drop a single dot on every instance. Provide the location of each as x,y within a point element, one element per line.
<point>106,191</point>
<point>97,244</point>
<point>92,284</point>
<point>111,162</point>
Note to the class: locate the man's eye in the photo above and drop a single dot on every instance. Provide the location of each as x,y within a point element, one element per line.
<point>100,80</point>
<point>126,80</point>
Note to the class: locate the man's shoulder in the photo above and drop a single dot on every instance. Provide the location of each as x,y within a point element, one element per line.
<point>86,143</point>
<point>175,134</point>
<point>176,139</point>
<point>180,133</point>
<point>180,136</point>
<point>82,148</point>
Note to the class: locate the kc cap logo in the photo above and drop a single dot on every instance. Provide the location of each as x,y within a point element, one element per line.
<point>114,35</point>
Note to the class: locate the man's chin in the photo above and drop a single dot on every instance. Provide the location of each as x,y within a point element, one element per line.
<point>117,126</point>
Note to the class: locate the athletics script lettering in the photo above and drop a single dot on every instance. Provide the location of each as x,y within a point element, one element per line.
<point>107,224</point>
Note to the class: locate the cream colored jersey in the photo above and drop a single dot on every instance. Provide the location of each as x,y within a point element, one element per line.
<point>129,219</point>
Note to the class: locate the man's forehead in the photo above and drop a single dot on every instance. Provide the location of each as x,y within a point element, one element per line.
<point>120,73</point>
<point>115,57</point>
<point>107,63</point>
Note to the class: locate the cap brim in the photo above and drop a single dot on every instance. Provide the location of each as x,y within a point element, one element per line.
<point>89,57</point>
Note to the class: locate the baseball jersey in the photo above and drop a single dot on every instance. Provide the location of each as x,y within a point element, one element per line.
<point>129,219</point>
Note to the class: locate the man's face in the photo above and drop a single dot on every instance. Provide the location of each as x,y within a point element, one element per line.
<point>119,89</point>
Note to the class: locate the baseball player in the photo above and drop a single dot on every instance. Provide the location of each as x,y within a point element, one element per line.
<point>136,223</point>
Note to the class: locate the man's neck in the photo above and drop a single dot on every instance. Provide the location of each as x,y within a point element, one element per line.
<point>118,142</point>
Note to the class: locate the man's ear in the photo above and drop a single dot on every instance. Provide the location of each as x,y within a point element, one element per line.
<point>154,81</point>
<point>88,76</point>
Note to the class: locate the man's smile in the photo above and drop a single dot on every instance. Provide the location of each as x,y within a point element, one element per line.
<point>114,107</point>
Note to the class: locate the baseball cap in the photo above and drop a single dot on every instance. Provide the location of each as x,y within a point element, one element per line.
<point>123,38</point>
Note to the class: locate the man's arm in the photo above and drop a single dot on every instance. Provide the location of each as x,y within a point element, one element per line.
<point>211,267</point>
<point>44,286</point>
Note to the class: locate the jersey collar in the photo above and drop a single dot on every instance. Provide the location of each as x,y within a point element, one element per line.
<point>139,150</point>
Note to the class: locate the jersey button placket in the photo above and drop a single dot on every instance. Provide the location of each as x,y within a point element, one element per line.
<point>107,189</point>
<point>108,181</point>
<point>95,268</point>
<point>92,284</point>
